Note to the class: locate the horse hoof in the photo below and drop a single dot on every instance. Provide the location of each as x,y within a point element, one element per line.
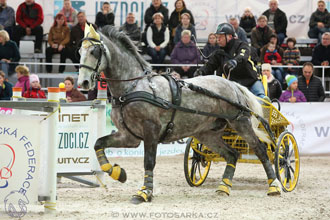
<point>223,190</point>
<point>274,191</point>
<point>118,173</point>
<point>122,176</point>
<point>137,200</point>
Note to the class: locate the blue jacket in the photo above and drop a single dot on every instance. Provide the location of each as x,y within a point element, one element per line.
<point>6,91</point>
<point>7,17</point>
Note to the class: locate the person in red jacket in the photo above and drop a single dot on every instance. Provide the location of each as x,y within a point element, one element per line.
<point>35,91</point>
<point>29,17</point>
<point>274,58</point>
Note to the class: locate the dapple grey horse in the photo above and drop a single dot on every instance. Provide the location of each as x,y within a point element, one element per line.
<point>113,53</point>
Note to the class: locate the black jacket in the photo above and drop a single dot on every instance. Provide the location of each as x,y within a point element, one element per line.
<point>274,89</point>
<point>280,20</point>
<point>175,21</point>
<point>7,92</point>
<point>314,91</point>
<point>101,19</point>
<point>319,16</point>
<point>247,23</point>
<point>320,54</point>
<point>132,31</point>
<point>245,73</point>
<point>151,11</point>
<point>76,35</point>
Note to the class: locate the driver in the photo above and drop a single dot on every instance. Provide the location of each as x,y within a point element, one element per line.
<point>233,60</point>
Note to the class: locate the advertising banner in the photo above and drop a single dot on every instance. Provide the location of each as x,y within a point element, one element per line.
<point>19,159</point>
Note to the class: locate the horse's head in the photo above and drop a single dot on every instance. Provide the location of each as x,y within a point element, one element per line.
<point>93,58</point>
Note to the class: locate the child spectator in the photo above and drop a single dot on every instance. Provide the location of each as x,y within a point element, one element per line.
<point>211,45</point>
<point>69,13</point>
<point>274,58</point>
<point>23,80</point>
<point>6,91</point>
<point>185,25</point>
<point>292,93</point>
<point>274,86</point>
<point>72,94</point>
<point>291,56</point>
<point>273,39</point>
<point>35,91</point>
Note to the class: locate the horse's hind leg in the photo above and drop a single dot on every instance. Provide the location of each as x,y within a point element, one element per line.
<point>150,138</point>
<point>214,141</point>
<point>244,128</point>
<point>116,140</point>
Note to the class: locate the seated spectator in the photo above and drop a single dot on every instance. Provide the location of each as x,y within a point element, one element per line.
<point>319,21</point>
<point>273,57</point>
<point>291,56</point>
<point>274,86</point>
<point>276,20</point>
<point>261,33</point>
<point>6,89</point>
<point>58,38</point>
<point>292,93</point>
<point>7,17</point>
<point>131,29</point>
<point>72,94</point>
<point>175,18</point>
<point>158,37</point>
<point>273,39</point>
<point>185,52</point>
<point>210,46</point>
<point>105,17</point>
<point>29,16</point>
<point>76,34</point>
<point>70,13</point>
<point>311,85</point>
<point>23,80</point>
<point>8,53</point>
<point>155,7</point>
<point>185,25</point>
<point>35,91</point>
<point>248,22</point>
<point>321,54</point>
<point>239,30</point>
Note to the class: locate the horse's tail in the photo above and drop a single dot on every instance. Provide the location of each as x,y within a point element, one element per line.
<point>256,107</point>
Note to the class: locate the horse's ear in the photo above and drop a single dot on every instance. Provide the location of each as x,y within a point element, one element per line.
<point>93,33</point>
<point>87,30</point>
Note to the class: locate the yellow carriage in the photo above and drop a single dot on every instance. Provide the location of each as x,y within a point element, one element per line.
<point>283,153</point>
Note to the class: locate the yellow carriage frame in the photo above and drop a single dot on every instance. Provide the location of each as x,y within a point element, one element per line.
<point>284,153</point>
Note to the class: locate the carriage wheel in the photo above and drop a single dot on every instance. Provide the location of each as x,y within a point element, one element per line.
<point>287,164</point>
<point>196,168</point>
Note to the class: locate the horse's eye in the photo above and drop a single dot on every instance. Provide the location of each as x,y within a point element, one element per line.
<point>96,52</point>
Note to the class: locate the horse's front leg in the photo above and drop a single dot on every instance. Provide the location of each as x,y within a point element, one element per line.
<point>119,139</point>
<point>151,136</point>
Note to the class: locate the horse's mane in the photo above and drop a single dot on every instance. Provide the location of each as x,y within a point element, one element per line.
<point>114,35</point>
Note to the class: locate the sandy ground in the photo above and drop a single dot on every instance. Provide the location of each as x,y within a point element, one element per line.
<point>174,199</point>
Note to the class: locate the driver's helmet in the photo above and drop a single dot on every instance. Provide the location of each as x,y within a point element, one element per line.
<point>225,28</point>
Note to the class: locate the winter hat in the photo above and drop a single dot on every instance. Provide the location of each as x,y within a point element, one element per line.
<point>33,78</point>
<point>290,79</point>
<point>266,66</point>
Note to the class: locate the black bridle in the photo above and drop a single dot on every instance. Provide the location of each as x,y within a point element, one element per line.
<point>97,52</point>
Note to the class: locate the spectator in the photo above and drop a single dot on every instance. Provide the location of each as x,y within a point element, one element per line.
<point>211,45</point>
<point>72,94</point>
<point>292,93</point>
<point>291,56</point>
<point>6,89</point>
<point>240,32</point>
<point>185,25</point>
<point>70,13</point>
<point>175,18</point>
<point>76,34</point>
<point>158,37</point>
<point>8,53</point>
<point>261,33</point>
<point>131,29</point>
<point>319,21</point>
<point>273,57</point>
<point>185,52</point>
<point>35,91</point>
<point>155,7</point>
<point>311,85</point>
<point>23,80</point>
<point>276,20</point>
<point>7,17</point>
<point>248,22</point>
<point>29,16</point>
<point>273,39</point>
<point>274,86</point>
<point>58,38</point>
<point>105,17</point>
<point>321,54</point>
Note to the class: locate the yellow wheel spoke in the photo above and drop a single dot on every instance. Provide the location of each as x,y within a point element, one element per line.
<point>281,170</point>
<point>285,181</point>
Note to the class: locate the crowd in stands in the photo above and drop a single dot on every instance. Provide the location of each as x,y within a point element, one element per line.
<point>173,35</point>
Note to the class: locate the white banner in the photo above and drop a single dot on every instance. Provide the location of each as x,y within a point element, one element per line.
<point>19,159</point>
<point>207,13</point>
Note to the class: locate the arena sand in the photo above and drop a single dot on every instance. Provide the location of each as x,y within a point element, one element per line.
<point>174,199</point>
